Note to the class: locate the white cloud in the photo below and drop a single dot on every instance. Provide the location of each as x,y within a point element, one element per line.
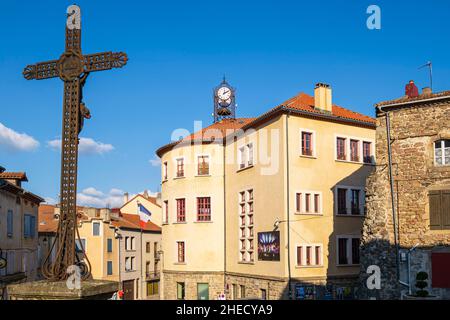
<point>16,141</point>
<point>87,146</point>
<point>49,200</point>
<point>91,197</point>
<point>155,162</point>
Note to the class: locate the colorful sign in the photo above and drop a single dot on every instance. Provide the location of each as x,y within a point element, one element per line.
<point>269,246</point>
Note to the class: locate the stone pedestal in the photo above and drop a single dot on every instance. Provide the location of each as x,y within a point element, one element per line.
<point>47,290</point>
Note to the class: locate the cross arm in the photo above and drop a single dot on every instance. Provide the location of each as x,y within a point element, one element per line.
<point>43,70</point>
<point>104,61</point>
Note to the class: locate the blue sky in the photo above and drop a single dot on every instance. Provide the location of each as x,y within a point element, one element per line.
<point>179,50</point>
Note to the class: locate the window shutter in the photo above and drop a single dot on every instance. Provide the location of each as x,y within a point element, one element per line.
<point>435,210</point>
<point>445,209</point>
<point>32,226</point>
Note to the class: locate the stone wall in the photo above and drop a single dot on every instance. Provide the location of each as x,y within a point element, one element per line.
<point>413,132</point>
<point>191,279</point>
<point>276,289</point>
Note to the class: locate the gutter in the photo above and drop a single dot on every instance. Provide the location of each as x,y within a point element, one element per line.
<point>391,182</point>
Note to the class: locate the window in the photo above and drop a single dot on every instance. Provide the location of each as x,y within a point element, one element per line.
<point>234,291</point>
<point>180,168</point>
<point>29,230</point>
<point>340,148</point>
<point>367,153</point>
<point>166,211</point>
<point>9,223</point>
<point>348,250</point>
<point>165,171</point>
<point>80,245</point>
<point>309,255</point>
<point>147,247</point>
<point>355,202</point>
<point>109,245</point>
<point>204,209</point>
<point>354,150</point>
<point>242,158</point>
<point>109,268</point>
<point>127,243</point>
<point>202,291</point>
<point>342,201</point>
<point>152,288</point>
<point>180,291</point>
<point>250,154</point>
<point>308,202</point>
<point>155,250</point>
<point>133,264</point>
<point>133,244</point>
<point>181,251</point>
<point>442,152</point>
<point>181,210</point>
<point>128,264</point>
<point>246,222</point>
<point>242,287</point>
<point>439,206</point>
<point>147,268</point>
<point>96,228</point>
<point>263,294</point>
<point>307,147</point>
<point>203,165</point>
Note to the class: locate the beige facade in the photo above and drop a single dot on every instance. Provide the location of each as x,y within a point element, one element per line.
<point>18,231</point>
<point>261,180</point>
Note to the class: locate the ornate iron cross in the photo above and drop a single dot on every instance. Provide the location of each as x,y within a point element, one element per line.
<point>73,68</point>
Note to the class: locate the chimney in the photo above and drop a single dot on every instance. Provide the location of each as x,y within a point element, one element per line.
<point>158,198</point>
<point>125,197</point>
<point>322,97</point>
<point>427,91</point>
<point>146,194</point>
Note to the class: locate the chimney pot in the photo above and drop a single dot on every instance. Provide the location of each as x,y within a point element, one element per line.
<point>323,97</point>
<point>427,91</point>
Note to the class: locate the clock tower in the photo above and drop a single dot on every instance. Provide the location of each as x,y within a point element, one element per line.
<point>224,101</point>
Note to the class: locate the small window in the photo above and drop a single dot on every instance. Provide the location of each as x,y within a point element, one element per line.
<point>348,250</point>
<point>180,168</point>
<point>181,251</point>
<point>242,159</point>
<point>165,171</point>
<point>250,154</point>
<point>166,211</point>
<point>10,223</point>
<point>109,268</point>
<point>180,291</point>
<point>242,287</point>
<point>96,228</point>
<point>367,153</point>
<point>342,201</point>
<point>354,150</point>
<point>147,247</point>
<point>109,245</point>
<point>307,143</point>
<point>340,148</point>
<point>263,294</point>
<point>355,202</point>
<point>342,251</point>
<point>204,209</point>
<point>442,152</point>
<point>80,245</point>
<point>181,210</point>
<point>203,165</point>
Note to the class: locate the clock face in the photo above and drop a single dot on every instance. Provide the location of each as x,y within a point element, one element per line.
<point>225,103</point>
<point>224,93</point>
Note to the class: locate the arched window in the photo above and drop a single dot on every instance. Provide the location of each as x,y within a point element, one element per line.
<point>442,152</point>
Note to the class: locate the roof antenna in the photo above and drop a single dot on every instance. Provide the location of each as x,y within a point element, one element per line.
<point>429,64</point>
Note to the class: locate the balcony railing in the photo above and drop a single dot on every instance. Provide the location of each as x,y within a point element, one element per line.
<point>152,275</point>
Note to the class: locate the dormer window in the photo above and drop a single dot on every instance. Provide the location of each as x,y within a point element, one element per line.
<point>442,152</point>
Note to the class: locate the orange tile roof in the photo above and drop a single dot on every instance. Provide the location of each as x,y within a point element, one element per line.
<point>406,99</point>
<point>14,175</point>
<point>47,221</point>
<point>132,221</point>
<point>303,103</point>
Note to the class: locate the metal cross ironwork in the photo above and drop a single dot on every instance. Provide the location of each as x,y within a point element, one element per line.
<point>73,68</point>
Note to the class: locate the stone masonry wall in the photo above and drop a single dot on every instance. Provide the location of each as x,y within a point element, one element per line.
<point>414,129</point>
<point>191,279</point>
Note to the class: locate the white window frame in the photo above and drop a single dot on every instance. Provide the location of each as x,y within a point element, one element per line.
<point>313,142</point>
<point>250,148</point>
<point>443,153</point>
<point>242,159</point>
<point>311,202</point>
<point>313,256</point>
<point>348,200</point>
<point>349,250</point>
<point>247,238</point>
<point>175,161</point>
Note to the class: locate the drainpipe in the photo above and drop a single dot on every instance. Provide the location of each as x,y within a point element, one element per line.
<point>288,208</point>
<point>224,222</point>
<point>391,182</point>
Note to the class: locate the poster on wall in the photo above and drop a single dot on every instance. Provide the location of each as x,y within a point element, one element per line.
<point>269,246</point>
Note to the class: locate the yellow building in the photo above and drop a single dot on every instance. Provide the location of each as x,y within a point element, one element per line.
<point>268,207</point>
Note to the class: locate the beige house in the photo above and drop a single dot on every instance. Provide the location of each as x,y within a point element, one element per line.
<point>18,230</point>
<point>269,207</point>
